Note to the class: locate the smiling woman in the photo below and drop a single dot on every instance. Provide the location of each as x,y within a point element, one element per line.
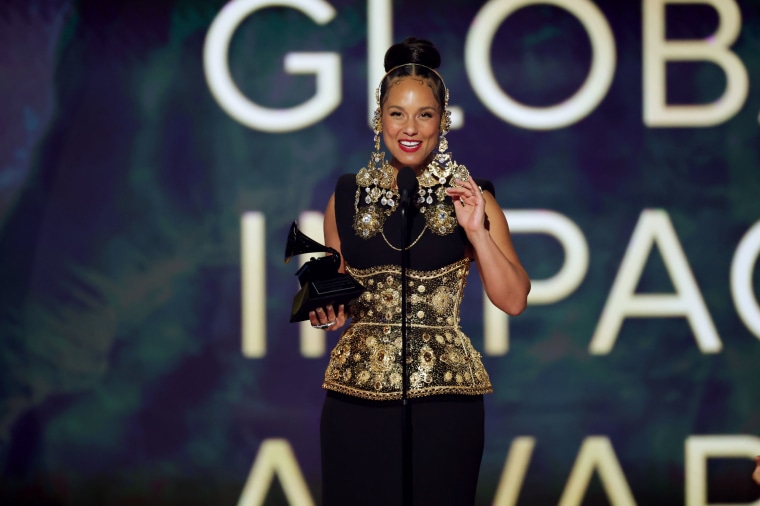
<point>375,384</point>
<point>411,117</point>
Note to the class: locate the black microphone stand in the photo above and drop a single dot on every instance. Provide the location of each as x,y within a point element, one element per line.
<point>406,181</point>
<point>406,415</point>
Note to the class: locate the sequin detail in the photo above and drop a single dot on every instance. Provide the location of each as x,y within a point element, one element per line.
<point>376,198</point>
<point>366,361</point>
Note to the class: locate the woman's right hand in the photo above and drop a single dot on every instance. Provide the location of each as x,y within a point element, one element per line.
<point>327,319</point>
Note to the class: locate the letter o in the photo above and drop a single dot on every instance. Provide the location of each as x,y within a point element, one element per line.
<point>478,48</point>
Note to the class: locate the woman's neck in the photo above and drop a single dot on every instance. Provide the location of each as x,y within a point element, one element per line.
<point>418,169</point>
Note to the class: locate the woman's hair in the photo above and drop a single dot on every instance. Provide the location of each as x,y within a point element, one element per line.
<point>413,57</point>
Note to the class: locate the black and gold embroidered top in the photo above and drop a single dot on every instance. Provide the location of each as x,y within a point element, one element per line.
<point>366,361</point>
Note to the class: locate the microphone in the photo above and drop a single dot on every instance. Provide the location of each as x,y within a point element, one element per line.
<point>407,185</point>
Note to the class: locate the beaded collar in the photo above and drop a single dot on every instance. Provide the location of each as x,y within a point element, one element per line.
<point>381,198</point>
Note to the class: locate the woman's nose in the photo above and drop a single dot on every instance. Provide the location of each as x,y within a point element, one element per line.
<point>410,127</point>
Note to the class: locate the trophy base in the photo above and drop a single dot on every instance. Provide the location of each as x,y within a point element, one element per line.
<point>336,290</point>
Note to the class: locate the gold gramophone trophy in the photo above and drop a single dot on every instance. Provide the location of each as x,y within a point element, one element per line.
<point>321,283</point>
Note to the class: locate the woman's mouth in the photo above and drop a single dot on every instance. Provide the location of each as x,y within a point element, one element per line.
<point>409,146</point>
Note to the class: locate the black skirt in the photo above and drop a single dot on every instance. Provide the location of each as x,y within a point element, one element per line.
<point>362,456</point>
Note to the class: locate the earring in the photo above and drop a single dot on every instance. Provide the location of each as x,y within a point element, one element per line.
<point>377,122</point>
<point>443,143</point>
<point>377,127</point>
<point>445,121</point>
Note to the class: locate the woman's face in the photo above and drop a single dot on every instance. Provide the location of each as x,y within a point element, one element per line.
<point>411,119</point>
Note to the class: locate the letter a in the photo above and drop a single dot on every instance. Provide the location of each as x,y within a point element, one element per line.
<point>654,226</point>
<point>275,457</point>
<point>597,452</point>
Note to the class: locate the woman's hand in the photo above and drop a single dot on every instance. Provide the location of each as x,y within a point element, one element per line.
<point>756,474</point>
<point>505,281</point>
<point>469,205</point>
<point>327,319</point>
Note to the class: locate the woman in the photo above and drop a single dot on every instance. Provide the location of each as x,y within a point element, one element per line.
<point>452,222</point>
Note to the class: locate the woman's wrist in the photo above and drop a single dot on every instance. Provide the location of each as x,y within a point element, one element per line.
<point>478,236</point>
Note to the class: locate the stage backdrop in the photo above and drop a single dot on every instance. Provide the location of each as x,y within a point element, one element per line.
<point>154,153</point>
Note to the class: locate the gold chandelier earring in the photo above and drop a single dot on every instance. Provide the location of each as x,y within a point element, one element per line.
<point>378,157</point>
<point>374,186</point>
<point>443,143</point>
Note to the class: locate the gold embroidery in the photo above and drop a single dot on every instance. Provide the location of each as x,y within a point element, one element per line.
<point>367,361</point>
<point>376,198</point>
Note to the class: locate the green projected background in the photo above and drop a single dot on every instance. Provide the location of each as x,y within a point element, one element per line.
<point>152,155</point>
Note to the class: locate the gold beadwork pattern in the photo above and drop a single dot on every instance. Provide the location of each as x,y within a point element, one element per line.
<point>366,361</point>
<point>379,195</point>
<point>376,196</point>
<point>375,189</point>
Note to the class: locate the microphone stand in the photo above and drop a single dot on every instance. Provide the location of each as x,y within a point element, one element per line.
<point>407,181</point>
<point>406,418</point>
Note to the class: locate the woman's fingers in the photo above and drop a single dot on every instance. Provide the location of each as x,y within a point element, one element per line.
<point>469,204</point>
<point>319,318</point>
<point>326,318</point>
<point>467,192</point>
<point>340,317</point>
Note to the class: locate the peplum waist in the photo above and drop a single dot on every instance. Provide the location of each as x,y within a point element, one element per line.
<point>367,360</point>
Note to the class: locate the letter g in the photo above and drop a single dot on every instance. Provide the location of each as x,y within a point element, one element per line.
<point>325,66</point>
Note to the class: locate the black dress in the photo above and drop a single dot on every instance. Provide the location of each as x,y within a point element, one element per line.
<point>361,425</point>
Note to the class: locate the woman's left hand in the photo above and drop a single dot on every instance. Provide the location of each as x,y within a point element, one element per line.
<point>469,204</point>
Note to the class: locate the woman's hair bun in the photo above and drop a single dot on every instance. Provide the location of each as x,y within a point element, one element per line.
<point>412,50</point>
